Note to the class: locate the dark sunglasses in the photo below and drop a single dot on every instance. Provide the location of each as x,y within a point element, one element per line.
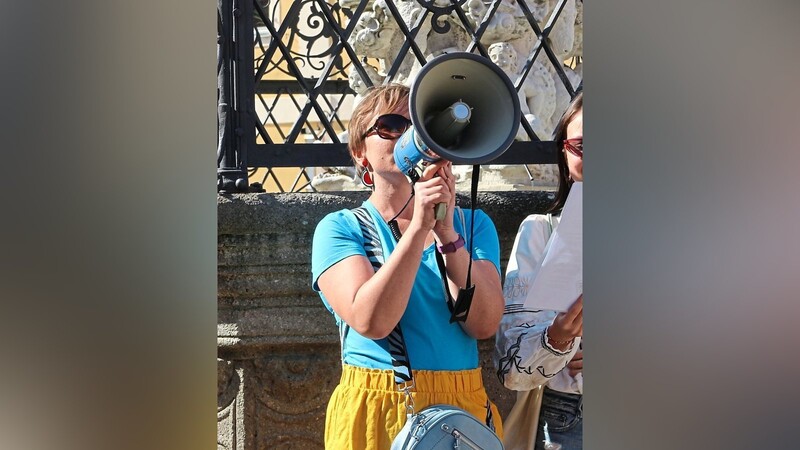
<point>389,126</point>
<point>574,146</point>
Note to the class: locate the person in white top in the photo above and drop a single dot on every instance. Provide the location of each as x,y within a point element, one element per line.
<point>539,353</point>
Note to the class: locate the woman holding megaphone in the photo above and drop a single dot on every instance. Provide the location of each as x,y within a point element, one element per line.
<point>377,270</point>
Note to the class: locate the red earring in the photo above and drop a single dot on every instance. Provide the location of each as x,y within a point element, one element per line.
<point>366,179</point>
<point>366,176</point>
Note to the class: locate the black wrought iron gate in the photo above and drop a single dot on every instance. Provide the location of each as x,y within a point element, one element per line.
<point>285,69</point>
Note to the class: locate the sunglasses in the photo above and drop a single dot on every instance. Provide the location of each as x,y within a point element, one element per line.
<point>574,146</point>
<point>389,126</point>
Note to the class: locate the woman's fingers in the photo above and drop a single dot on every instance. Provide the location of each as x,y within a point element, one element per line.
<point>575,364</point>
<point>575,310</point>
<point>436,185</point>
<point>433,191</point>
<point>432,169</point>
<point>446,173</point>
<point>427,194</point>
<point>568,324</point>
<point>575,367</point>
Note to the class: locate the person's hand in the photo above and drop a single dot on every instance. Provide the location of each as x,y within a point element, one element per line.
<point>566,326</point>
<point>430,190</point>
<point>575,365</point>
<point>444,228</point>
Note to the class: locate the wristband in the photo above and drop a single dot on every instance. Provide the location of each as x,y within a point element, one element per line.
<point>553,341</point>
<point>452,246</point>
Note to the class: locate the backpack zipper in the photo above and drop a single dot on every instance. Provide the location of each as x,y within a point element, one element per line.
<point>459,438</point>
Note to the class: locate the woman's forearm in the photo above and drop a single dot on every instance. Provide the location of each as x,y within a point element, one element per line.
<point>381,301</point>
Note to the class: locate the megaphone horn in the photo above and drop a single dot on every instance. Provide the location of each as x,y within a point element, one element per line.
<point>463,109</point>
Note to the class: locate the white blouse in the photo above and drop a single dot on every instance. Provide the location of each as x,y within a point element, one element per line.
<point>523,357</point>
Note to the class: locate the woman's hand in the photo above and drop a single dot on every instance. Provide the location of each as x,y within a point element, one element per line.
<point>566,326</point>
<point>431,190</point>
<point>444,228</point>
<point>575,365</point>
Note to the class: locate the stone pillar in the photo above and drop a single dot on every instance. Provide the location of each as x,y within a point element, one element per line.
<point>278,348</point>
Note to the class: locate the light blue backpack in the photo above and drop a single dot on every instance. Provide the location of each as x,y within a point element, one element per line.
<point>440,427</point>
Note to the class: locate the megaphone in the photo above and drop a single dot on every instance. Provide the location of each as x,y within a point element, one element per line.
<point>463,109</point>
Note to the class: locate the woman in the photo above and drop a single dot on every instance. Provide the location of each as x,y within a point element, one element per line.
<point>367,410</point>
<point>543,348</point>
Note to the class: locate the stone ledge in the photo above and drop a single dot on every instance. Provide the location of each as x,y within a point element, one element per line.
<point>274,334</point>
<point>254,214</point>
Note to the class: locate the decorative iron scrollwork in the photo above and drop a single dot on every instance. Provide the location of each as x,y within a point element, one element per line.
<point>440,10</point>
<point>313,59</point>
<point>307,37</point>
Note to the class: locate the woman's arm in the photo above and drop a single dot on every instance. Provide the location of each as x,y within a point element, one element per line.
<point>487,301</point>
<point>372,303</point>
<point>486,309</point>
<point>523,357</point>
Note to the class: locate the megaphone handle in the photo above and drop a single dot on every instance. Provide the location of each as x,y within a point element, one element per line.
<point>440,210</point>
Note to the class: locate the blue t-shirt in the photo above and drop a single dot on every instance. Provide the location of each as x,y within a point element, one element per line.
<point>432,342</point>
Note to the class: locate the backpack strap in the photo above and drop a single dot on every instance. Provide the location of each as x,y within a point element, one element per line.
<point>401,365</point>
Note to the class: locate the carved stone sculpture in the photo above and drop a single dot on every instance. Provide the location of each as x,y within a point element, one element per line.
<point>577,47</point>
<point>503,26</point>
<point>562,37</point>
<point>537,95</point>
<point>359,86</point>
<point>509,40</point>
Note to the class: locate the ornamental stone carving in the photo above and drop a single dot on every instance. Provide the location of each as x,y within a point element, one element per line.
<point>509,39</point>
<point>229,416</point>
<point>577,47</point>
<point>358,85</point>
<point>537,95</point>
<point>562,37</point>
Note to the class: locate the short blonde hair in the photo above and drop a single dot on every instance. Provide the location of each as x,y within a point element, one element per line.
<point>377,99</point>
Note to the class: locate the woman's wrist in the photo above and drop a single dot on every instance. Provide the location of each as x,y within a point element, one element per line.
<point>560,344</point>
<point>451,246</point>
<point>446,236</point>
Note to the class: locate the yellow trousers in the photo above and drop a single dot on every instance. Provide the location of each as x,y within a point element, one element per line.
<point>366,410</point>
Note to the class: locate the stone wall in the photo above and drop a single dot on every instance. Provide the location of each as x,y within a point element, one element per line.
<point>278,348</point>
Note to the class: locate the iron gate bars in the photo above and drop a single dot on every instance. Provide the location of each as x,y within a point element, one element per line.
<point>235,93</point>
<point>273,64</point>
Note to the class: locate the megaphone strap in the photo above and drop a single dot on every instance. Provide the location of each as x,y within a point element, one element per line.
<point>476,171</point>
<point>459,308</point>
<point>461,305</point>
<point>393,226</point>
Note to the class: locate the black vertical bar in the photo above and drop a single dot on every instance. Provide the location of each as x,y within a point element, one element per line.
<point>226,154</point>
<point>235,93</point>
<point>244,21</point>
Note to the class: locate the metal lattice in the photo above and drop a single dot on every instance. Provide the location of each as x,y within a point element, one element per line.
<point>284,70</point>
